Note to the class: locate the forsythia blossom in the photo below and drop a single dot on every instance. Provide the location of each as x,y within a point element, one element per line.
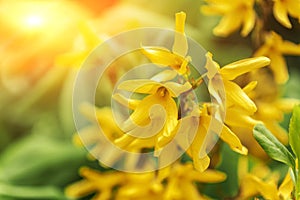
<point>261,181</point>
<point>235,14</point>
<point>176,182</point>
<point>283,8</point>
<point>275,47</point>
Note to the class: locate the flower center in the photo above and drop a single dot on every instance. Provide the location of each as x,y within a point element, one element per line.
<point>162,91</point>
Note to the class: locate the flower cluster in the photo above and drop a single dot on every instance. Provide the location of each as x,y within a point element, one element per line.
<point>158,115</point>
<point>164,119</point>
<point>175,182</point>
<point>253,18</point>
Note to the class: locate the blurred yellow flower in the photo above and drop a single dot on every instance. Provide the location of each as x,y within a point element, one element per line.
<point>75,58</point>
<point>271,113</point>
<point>260,181</point>
<point>283,8</point>
<point>181,180</point>
<point>235,14</point>
<point>275,47</point>
<point>271,109</point>
<point>173,182</point>
<point>103,184</point>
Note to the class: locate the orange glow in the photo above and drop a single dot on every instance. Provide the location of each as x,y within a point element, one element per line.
<point>32,34</point>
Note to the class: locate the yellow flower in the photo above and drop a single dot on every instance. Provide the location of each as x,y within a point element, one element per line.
<point>271,113</point>
<point>274,48</point>
<point>204,126</point>
<point>77,57</point>
<point>239,107</point>
<point>176,182</point>
<point>236,14</point>
<point>270,110</point>
<point>271,107</point>
<point>181,178</point>
<point>130,186</point>
<point>283,8</point>
<point>177,58</point>
<point>261,182</point>
<point>99,141</point>
<point>155,116</point>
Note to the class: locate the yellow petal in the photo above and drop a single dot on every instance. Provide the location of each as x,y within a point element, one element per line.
<point>197,148</point>
<point>144,86</point>
<point>180,22</point>
<point>287,186</point>
<point>233,141</point>
<point>201,164</point>
<point>163,57</point>
<point>279,68</point>
<point>103,195</point>
<point>249,21</point>
<point>228,24</point>
<point>268,111</point>
<point>124,141</point>
<point>280,13</point>
<point>80,189</point>
<point>214,9</point>
<point>140,143</point>
<point>211,66</point>
<point>157,119</point>
<point>186,130</point>
<point>262,51</point>
<point>252,186</point>
<point>293,8</point>
<point>130,103</point>
<point>286,104</point>
<point>207,176</point>
<point>155,115</point>
<point>250,87</point>
<point>238,117</point>
<point>279,132</point>
<point>236,96</point>
<point>289,48</point>
<point>233,70</point>
<point>165,75</point>
<point>215,84</point>
<point>188,191</point>
<point>176,89</point>
<point>184,65</point>
<point>180,45</point>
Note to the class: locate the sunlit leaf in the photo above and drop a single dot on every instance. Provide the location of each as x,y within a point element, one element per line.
<point>27,192</point>
<point>294,131</point>
<point>272,146</point>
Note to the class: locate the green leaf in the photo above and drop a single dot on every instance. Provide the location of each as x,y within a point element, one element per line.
<point>40,159</point>
<point>26,192</point>
<point>272,146</point>
<point>294,131</point>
